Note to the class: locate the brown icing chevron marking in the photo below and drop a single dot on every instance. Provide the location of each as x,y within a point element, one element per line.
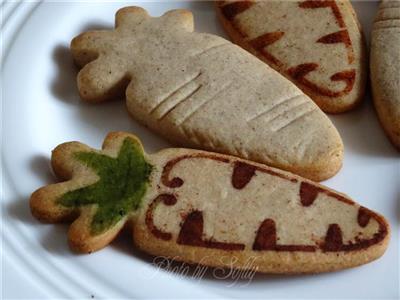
<point>341,36</point>
<point>266,236</point>
<point>242,174</point>
<point>348,77</point>
<point>266,39</point>
<point>363,216</point>
<point>266,239</point>
<point>231,10</point>
<point>338,197</point>
<point>192,234</point>
<point>308,193</point>
<point>333,239</point>
<point>177,182</point>
<point>300,71</point>
<point>313,4</point>
<point>259,43</point>
<point>167,199</point>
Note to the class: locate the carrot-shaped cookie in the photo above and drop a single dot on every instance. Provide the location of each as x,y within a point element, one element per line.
<point>201,91</point>
<point>385,68</point>
<point>203,207</point>
<point>317,44</point>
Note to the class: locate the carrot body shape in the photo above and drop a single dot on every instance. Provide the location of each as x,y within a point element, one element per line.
<point>208,208</point>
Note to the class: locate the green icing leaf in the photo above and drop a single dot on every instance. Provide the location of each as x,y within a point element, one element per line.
<point>120,189</point>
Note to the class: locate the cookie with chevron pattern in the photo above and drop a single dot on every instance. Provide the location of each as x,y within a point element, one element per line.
<point>203,207</point>
<point>201,91</point>
<point>317,44</point>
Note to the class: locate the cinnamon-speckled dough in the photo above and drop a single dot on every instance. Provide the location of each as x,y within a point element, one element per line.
<point>318,45</point>
<point>217,210</point>
<point>201,91</point>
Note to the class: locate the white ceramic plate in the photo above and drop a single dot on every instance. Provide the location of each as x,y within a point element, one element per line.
<point>41,108</point>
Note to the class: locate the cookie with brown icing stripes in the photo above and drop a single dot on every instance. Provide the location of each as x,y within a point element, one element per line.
<point>200,91</point>
<point>385,68</point>
<point>317,44</point>
<point>203,207</point>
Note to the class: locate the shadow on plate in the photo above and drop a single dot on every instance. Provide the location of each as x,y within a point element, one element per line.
<point>64,84</point>
<point>19,208</point>
<point>41,165</point>
<point>205,10</point>
<point>200,6</point>
<point>362,133</point>
<point>124,243</point>
<point>56,240</point>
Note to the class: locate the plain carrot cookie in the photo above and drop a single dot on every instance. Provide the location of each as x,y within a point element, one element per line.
<point>317,44</point>
<point>201,91</point>
<point>385,68</point>
<point>203,207</point>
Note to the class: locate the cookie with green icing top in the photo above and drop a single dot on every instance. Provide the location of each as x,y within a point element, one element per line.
<point>120,188</point>
<point>208,208</point>
<point>106,186</point>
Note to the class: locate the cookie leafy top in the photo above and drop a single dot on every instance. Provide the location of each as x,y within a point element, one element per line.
<point>121,186</point>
